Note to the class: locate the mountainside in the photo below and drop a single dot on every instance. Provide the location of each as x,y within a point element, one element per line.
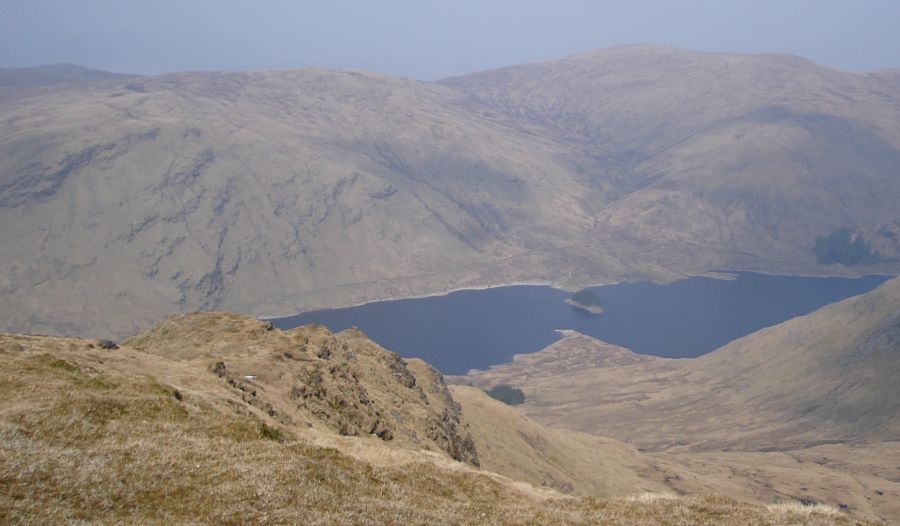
<point>742,154</point>
<point>216,418</point>
<point>827,377</point>
<point>859,478</point>
<point>39,76</point>
<point>570,462</point>
<point>123,201</point>
<point>263,191</point>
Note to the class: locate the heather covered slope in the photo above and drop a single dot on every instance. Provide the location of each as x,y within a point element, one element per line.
<point>123,201</point>
<point>827,377</point>
<point>154,432</point>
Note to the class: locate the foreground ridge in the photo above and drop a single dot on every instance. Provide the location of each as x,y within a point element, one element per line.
<point>194,421</point>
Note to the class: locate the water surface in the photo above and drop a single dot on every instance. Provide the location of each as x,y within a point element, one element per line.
<point>479,328</point>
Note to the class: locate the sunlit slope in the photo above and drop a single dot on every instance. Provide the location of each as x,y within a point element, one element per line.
<point>520,448</point>
<point>157,432</point>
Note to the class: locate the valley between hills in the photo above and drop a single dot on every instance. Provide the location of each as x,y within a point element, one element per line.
<point>127,199</point>
<point>148,222</point>
<point>215,417</point>
<point>806,408</point>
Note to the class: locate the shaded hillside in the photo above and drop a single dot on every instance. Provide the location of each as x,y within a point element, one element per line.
<point>821,378</point>
<point>164,435</point>
<point>751,155</point>
<point>270,192</point>
<point>265,192</point>
<point>39,76</point>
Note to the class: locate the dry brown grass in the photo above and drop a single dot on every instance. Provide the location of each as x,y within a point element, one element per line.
<point>648,497</point>
<point>797,508</point>
<point>83,444</point>
<point>750,420</point>
<point>825,377</point>
<point>574,463</point>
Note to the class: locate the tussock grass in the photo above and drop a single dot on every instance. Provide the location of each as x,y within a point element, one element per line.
<point>84,446</point>
<point>646,498</point>
<point>799,509</point>
<point>271,433</point>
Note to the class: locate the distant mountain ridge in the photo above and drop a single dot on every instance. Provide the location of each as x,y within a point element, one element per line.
<point>741,151</point>
<point>52,74</point>
<point>123,201</point>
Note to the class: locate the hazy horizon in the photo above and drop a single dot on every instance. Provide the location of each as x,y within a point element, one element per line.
<point>419,40</point>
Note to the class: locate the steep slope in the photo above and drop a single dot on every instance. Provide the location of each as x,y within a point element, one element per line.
<point>742,159</point>
<point>309,377</point>
<point>859,478</point>
<point>264,192</point>
<point>520,448</point>
<point>123,201</point>
<point>825,377</point>
<point>102,435</point>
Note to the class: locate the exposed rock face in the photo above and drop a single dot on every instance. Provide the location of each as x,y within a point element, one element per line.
<point>123,201</point>
<point>310,377</point>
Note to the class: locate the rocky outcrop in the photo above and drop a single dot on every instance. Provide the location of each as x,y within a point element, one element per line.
<point>311,377</point>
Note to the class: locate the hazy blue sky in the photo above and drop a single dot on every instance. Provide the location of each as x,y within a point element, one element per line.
<point>428,39</point>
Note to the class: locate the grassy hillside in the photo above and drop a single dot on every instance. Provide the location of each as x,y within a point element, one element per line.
<point>740,153</point>
<point>570,462</point>
<point>343,383</point>
<point>806,410</point>
<point>821,378</point>
<point>266,192</point>
<point>157,436</point>
<point>51,75</point>
<point>123,201</point>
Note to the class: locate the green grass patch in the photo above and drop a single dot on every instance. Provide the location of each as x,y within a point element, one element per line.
<point>64,365</point>
<point>271,433</point>
<point>507,394</point>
